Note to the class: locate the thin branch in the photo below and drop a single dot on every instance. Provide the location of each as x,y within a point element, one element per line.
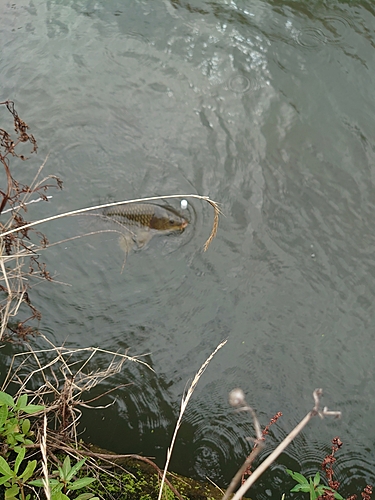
<point>237,399</point>
<point>284,444</point>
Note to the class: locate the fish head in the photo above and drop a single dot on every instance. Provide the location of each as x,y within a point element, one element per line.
<point>168,221</point>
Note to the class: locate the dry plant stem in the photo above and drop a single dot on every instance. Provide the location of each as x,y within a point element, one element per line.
<point>184,403</point>
<point>271,458</point>
<point>237,398</point>
<point>284,444</point>
<point>214,484</point>
<point>60,353</point>
<point>43,449</point>
<point>64,391</point>
<point>238,476</point>
<point>16,209</point>
<point>138,200</point>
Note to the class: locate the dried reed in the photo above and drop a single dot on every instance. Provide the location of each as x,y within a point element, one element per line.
<point>43,449</point>
<point>79,211</point>
<point>65,377</point>
<point>184,403</point>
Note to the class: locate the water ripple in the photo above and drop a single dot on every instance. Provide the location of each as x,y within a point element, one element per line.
<point>336,28</point>
<point>241,84</point>
<point>310,37</point>
<point>332,30</point>
<point>130,45</point>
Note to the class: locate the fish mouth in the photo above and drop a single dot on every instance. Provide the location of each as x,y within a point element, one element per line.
<point>184,224</point>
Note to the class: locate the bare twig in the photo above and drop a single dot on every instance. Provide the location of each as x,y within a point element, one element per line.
<point>237,400</point>
<point>271,458</point>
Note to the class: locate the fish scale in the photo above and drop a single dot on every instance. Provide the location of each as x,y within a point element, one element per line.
<point>147,215</point>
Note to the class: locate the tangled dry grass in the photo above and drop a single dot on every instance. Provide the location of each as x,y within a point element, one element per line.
<point>19,258</point>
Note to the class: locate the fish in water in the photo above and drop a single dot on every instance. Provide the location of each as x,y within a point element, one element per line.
<point>143,220</point>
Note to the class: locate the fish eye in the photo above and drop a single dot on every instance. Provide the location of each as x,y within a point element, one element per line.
<point>171,222</point>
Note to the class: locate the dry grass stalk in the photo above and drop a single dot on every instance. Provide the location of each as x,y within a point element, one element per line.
<point>184,403</point>
<point>62,394</point>
<point>65,378</point>
<point>124,202</point>
<point>283,445</point>
<point>14,249</point>
<point>43,449</point>
<point>214,484</point>
<point>215,225</point>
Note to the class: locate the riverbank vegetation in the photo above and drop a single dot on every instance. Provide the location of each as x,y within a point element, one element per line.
<point>45,390</point>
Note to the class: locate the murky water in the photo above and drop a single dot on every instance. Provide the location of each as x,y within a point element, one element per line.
<point>268,108</point>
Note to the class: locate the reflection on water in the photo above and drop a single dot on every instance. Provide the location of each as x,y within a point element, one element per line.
<point>268,108</point>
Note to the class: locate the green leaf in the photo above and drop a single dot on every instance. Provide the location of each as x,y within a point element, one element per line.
<point>73,471</point>
<point>55,485</point>
<point>26,426</point>
<point>11,440</point>
<point>11,493</point>
<point>4,479</point>
<point>58,495</point>
<point>11,425</point>
<point>40,483</point>
<point>29,409</point>
<point>3,414</point>
<point>5,470</point>
<point>29,471</point>
<point>297,477</point>
<point>19,459</point>
<point>81,483</point>
<point>338,496</point>
<point>313,494</point>
<point>86,496</point>
<point>316,479</point>
<point>20,437</point>
<point>6,399</point>
<point>65,469</point>
<point>21,402</point>
<point>37,482</point>
<point>301,487</point>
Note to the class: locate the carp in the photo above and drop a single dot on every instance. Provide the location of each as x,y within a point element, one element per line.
<point>143,220</point>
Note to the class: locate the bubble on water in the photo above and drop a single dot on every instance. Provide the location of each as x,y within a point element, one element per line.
<point>184,204</point>
<point>241,84</point>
